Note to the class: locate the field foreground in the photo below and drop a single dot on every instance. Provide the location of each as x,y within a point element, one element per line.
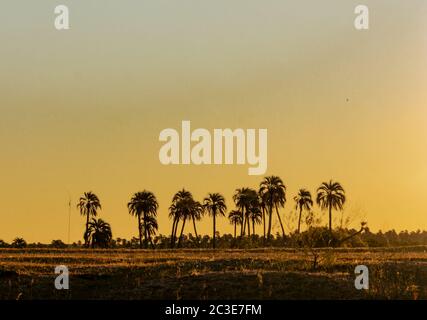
<point>394,273</point>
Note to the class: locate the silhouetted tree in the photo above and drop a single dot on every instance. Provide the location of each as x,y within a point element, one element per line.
<point>19,243</point>
<point>214,204</point>
<point>88,205</point>
<point>273,192</point>
<point>99,233</point>
<point>245,198</point>
<point>303,201</point>
<point>143,205</point>
<point>235,218</point>
<point>331,195</point>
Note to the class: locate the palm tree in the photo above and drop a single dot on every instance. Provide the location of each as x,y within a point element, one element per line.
<point>175,211</point>
<point>303,201</point>
<point>214,203</point>
<point>19,243</point>
<point>151,226</point>
<point>196,213</point>
<point>244,198</point>
<point>99,233</point>
<point>273,191</point>
<point>88,204</point>
<point>255,215</point>
<point>263,207</point>
<point>184,207</point>
<point>330,195</point>
<point>143,205</point>
<point>235,218</point>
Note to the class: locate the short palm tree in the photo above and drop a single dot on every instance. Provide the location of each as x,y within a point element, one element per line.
<point>215,205</point>
<point>331,195</point>
<point>235,218</point>
<point>88,205</point>
<point>151,226</point>
<point>244,198</point>
<point>19,243</point>
<point>255,215</point>
<point>273,192</point>
<point>143,205</point>
<point>99,233</point>
<point>303,201</point>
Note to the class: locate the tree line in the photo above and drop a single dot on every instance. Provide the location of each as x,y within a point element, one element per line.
<point>251,208</point>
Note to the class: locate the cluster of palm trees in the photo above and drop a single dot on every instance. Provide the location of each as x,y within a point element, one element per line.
<point>252,207</point>
<point>97,231</point>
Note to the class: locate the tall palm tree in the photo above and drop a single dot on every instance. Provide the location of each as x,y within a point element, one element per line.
<point>99,233</point>
<point>263,207</point>
<point>330,195</point>
<point>273,191</point>
<point>244,198</point>
<point>175,211</point>
<point>215,205</point>
<point>88,205</point>
<point>303,201</point>
<point>235,218</point>
<point>184,207</point>
<point>143,205</point>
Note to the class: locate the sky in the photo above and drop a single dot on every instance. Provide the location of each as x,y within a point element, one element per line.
<point>82,109</point>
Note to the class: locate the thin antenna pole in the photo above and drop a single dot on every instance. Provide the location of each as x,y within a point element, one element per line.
<point>69,218</point>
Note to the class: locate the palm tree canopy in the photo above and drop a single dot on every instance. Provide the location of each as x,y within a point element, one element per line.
<point>235,217</point>
<point>273,191</point>
<point>89,204</point>
<point>303,200</point>
<point>143,202</point>
<point>151,225</point>
<point>99,232</point>
<point>331,194</point>
<point>214,204</point>
<point>255,214</point>
<point>184,206</point>
<point>246,198</point>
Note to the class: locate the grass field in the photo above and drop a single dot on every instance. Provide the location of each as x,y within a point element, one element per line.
<point>394,273</point>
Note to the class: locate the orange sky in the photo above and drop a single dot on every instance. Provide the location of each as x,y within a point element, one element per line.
<point>82,109</point>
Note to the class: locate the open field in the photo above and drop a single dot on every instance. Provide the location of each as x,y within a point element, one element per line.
<point>395,273</point>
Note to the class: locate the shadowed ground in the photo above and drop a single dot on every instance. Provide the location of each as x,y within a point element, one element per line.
<point>395,273</point>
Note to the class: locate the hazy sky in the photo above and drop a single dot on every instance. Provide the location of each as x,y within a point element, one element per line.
<point>82,109</point>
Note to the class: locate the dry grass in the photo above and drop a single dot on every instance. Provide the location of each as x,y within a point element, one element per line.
<point>395,273</point>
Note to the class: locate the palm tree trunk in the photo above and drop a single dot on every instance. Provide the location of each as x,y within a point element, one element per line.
<point>182,230</point>
<point>151,241</point>
<point>280,220</point>
<point>145,230</point>
<point>270,214</point>
<point>242,231</point>
<point>194,225</point>
<point>248,220</point>
<point>235,226</point>
<point>263,220</point>
<point>173,232</point>
<point>87,227</point>
<point>253,226</point>
<point>299,219</point>
<point>140,231</point>
<point>330,217</point>
<point>243,223</point>
<point>214,230</point>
